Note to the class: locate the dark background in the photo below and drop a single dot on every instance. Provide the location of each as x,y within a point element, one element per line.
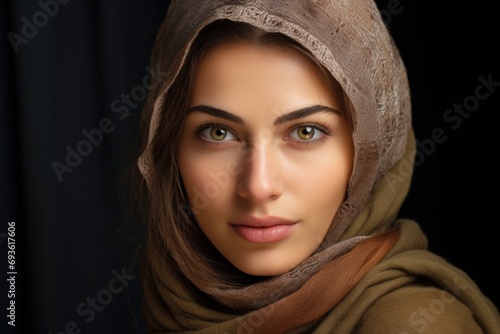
<point>73,237</point>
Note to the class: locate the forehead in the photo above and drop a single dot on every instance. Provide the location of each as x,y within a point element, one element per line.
<point>243,73</point>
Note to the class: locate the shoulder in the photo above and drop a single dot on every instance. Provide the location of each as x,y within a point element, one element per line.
<point>418,309</point>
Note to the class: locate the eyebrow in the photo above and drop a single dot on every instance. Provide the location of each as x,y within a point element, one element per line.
<point>304,112</point>
<point>300,113</point>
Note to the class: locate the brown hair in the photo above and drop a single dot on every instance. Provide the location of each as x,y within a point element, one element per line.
<point>170,226</point>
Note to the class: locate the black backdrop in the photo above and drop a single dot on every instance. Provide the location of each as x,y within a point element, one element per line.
<point>67,68</point>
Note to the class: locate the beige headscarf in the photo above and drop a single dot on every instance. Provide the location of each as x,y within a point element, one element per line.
<point>351,40</point>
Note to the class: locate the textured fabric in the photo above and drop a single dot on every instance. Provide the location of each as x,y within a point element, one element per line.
<point>350,39</point>
<point>410,266</point>
<point>316,296</point>
<point>420,309</point>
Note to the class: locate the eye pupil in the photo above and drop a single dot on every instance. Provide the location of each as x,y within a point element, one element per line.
<point>305,132</point>
<point>218,133</point>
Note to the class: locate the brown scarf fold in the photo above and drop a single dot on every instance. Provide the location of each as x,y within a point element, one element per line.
<point>323,290</point>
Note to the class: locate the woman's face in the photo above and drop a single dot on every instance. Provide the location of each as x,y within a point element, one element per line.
<point>265,156</point>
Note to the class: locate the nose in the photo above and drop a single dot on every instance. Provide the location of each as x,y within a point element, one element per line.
<point>261,179</point>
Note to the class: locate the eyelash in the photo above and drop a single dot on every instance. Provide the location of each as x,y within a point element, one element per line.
<point>207,125</point>
<point>324,129</point>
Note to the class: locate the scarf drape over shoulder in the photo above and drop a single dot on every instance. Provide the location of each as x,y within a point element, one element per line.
<point>368,254</point>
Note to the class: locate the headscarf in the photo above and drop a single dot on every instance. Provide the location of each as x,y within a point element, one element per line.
<point>350,39</point>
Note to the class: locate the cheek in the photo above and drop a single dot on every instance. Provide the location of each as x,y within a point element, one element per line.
<point>328,185</point>
<point>323,172</point>
<point>321,182</point>
<point>209,181</point>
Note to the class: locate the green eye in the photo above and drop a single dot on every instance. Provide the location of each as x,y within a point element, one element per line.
<point>218,134</point>
<point>305,132</point>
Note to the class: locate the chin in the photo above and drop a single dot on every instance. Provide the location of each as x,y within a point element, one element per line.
<point>271,260</point>
<point>265,268</point>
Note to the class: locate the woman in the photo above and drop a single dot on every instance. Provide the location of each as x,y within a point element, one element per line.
<point>277,153</point>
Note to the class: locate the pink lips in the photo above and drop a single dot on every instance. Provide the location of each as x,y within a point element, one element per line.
<point>263,230</point>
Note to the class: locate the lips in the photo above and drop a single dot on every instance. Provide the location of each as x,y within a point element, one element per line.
<point>263,230</point>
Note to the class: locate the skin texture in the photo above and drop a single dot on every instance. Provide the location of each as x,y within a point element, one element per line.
<point>260,163</point>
